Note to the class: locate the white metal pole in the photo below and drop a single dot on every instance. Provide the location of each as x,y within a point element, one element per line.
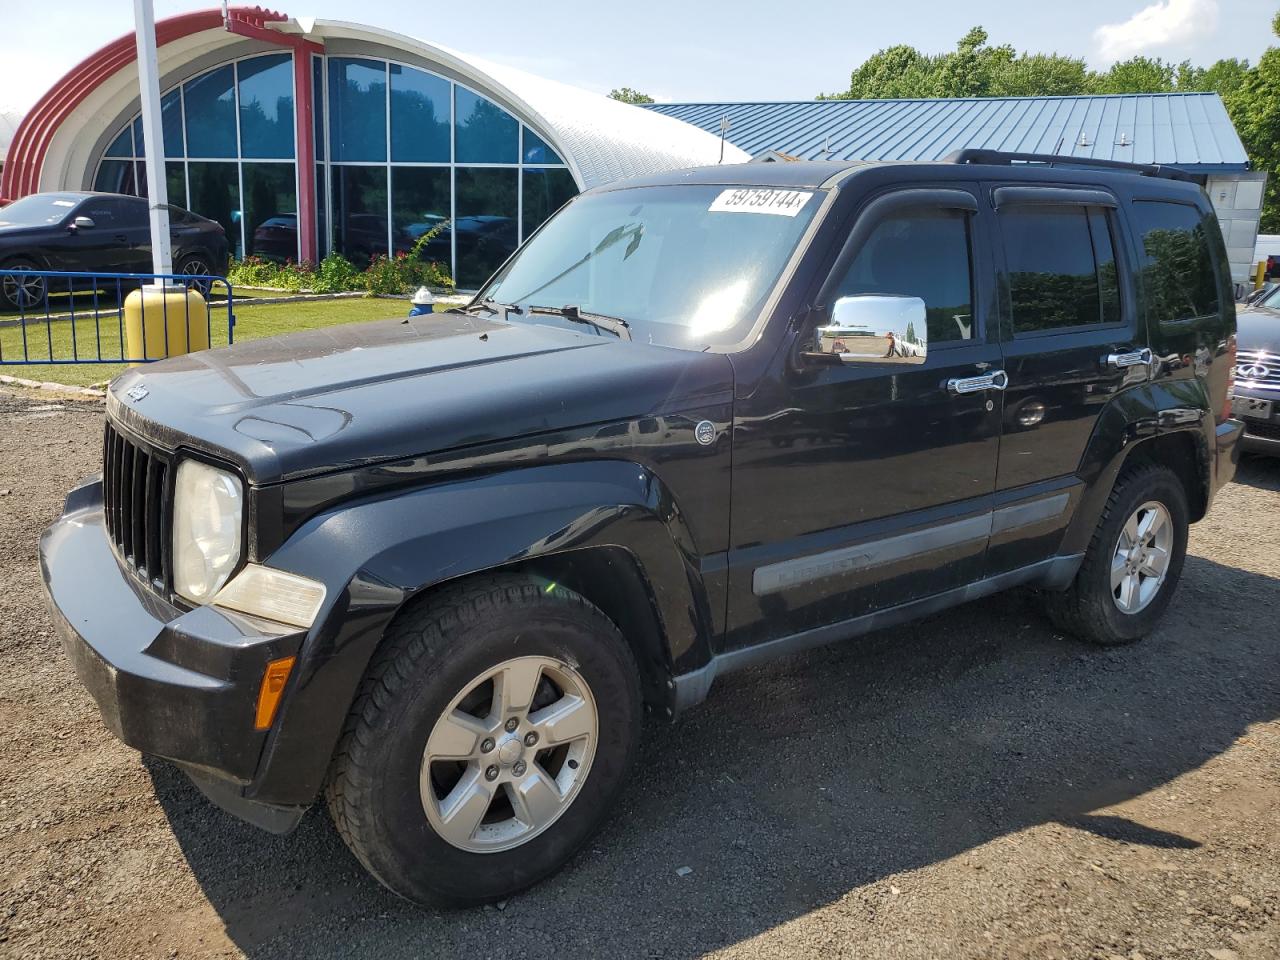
<point>144,19</point>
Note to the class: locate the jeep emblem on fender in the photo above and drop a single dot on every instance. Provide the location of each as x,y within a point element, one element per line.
<point>705,432</point>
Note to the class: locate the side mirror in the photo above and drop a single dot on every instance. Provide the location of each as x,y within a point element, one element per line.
<point>83,223</point>
<point>873,328</point>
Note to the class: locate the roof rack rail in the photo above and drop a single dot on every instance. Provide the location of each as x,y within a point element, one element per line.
<point>1002,158</point>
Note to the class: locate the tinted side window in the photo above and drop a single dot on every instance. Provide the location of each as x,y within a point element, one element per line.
<point>115,213</point>
<point>1177,267</point>
<point>101,212</point>
<point>1062,267</point>
<point>923,254</point>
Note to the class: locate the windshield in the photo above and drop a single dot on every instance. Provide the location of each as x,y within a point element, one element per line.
<point>38,209</point>
<point>1272,299</point>
<point>684,266</point>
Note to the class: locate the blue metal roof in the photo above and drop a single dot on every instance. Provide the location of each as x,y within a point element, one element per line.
<point>1191,130</point>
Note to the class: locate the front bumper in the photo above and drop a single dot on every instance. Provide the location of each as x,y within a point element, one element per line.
<point>178,684</point>
<point>1261,428</point>
<point>1227,444</point>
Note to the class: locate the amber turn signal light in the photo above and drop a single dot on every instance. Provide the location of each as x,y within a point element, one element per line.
<point>273,680</point>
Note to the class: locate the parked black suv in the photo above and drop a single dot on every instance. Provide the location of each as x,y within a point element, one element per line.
<point>95,233</point>
<point>435,568</point>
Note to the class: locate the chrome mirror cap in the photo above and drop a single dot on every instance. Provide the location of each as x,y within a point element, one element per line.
<point>876,328</point>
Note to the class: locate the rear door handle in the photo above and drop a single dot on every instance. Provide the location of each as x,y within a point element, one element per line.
<point>996,380</point>
<point>1134,358</point>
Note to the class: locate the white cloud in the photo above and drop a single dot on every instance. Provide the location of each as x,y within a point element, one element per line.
<point>1159,25</point>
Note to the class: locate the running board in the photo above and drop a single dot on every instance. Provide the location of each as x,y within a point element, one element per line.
<point>692,688</point>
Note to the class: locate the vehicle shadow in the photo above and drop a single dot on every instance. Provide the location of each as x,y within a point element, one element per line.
<point>1256,470</point>
<point>802,781</point>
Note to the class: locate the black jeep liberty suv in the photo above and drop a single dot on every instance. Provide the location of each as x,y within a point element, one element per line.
<point>436,569</point>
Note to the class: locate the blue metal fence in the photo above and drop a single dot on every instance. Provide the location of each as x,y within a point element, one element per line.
<point>72,317</point>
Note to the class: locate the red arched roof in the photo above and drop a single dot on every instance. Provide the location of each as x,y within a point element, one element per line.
<point>31,143</point>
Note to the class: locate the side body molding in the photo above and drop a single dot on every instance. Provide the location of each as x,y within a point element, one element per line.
<point>377,554</point>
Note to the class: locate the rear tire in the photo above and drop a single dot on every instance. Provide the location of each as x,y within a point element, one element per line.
<point>196,264</point>
<point>443,683</point>
<point>1126,582</point>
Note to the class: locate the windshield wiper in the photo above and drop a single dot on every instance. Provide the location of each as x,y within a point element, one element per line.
<point>615,325</point>
<point>495,306</point>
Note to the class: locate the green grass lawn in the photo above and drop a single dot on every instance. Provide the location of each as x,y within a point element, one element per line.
<point>252,323</point>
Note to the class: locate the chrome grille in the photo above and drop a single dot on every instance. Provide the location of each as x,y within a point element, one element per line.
<point>135,496</point>
<point>1266,429</point>
<point>1257,368</point>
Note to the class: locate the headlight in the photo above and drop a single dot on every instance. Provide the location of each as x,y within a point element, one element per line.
<point>208,507</point>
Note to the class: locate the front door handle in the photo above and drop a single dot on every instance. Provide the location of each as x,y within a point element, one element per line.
<point>1134,358</point>
<point>996,380</point>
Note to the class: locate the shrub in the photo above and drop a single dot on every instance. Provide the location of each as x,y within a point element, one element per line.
<point>403,273</point>
<point>335,275</point>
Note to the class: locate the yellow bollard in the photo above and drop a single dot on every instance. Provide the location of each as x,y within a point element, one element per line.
<point>1260,274</point>
<point>164,322</point>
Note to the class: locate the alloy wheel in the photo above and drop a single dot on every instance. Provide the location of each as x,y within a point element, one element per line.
<point>1142,556</point>
<point>509,754</point>
<point>195,267</point>
<point>23,291</point>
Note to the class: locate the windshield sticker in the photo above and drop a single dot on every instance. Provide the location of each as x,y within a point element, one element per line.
<point>784,203</point>
<point>64,203</point>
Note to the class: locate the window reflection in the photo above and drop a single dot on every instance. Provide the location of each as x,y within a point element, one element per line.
<point>211,114</point>
<point>419,116</point>
<point>537,151</point>
<point>1056,277</point>
<point>360,212</point>
<point>271,211</point>
<point>357,109</point>
<point>546,190</point>
<point>215,193</point>
<point>266,107</point>
<point>486,222</point>
<point>420,204</point>
<point>486,133</point>
<point>922,253</point>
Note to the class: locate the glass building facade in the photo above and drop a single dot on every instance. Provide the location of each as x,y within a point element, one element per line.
<point>401,153</point>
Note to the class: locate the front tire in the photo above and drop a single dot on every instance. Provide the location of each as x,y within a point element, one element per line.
<point>488,741</point>
<point>22,293</point>
<point>1133,563</point>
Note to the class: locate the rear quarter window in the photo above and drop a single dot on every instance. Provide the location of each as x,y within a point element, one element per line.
<point>1184,272</point>
<point>1177,261</point>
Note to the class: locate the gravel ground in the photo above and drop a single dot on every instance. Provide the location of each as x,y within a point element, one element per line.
<point>968,786</point>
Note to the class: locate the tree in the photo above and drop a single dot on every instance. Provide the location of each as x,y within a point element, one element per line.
<point>1254,106</point>
<point>1136,75</point>
<point>627,95</point>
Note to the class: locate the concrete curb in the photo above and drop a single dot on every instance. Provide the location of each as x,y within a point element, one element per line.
<point>51,386</point>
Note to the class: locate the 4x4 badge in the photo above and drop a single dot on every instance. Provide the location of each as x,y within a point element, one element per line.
<point>137,393</point>
<point>705,433</point>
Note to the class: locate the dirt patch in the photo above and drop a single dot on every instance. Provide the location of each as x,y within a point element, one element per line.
<point>967,786</point>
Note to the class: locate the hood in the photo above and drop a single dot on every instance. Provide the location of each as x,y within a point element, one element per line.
<point>350,395</point>
<point>1258,329</point>
<point>20,231</point>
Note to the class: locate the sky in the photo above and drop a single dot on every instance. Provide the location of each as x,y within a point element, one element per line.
<point>679,50</point>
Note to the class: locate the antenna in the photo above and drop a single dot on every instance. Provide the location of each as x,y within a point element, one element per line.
<point>724,128</point>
